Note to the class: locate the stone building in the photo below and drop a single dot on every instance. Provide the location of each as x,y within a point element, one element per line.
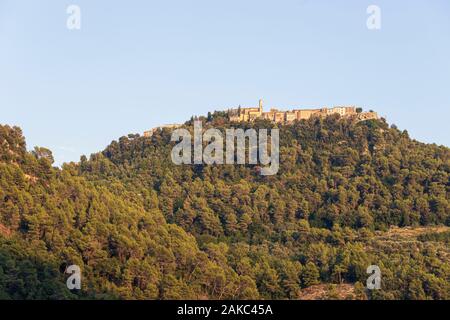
<point>246,114</point>
<point>150,132</point>
<point>290,116</point>
<point>371,115</point>
<point>304,114</point>
<point>275,115</point>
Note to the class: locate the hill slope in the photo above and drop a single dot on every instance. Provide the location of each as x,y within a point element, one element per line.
<point>53,218</point>
<point>142,227</point>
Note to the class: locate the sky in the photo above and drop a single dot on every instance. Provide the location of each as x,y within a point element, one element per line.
<point>134,65</point>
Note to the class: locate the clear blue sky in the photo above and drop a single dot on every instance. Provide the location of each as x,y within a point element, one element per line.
<point>136,64</point>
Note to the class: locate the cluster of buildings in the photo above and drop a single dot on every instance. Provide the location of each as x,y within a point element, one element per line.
<point>275,115</point>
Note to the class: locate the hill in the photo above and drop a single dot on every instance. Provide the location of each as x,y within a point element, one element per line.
<point>141,227</point>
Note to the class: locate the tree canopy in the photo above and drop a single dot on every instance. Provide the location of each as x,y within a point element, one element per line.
<point>141,227</point>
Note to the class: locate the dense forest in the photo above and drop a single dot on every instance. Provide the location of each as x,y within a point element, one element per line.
<point>347,195</point>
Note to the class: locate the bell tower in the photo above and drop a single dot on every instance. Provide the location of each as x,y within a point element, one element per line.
<point>260,106</point>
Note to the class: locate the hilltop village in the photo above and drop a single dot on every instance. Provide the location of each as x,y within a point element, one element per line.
<point>252,113</point>
<point>275,115</point>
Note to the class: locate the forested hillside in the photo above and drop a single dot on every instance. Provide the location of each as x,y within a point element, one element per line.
<point>51,218</point>
<point>141,227</point>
